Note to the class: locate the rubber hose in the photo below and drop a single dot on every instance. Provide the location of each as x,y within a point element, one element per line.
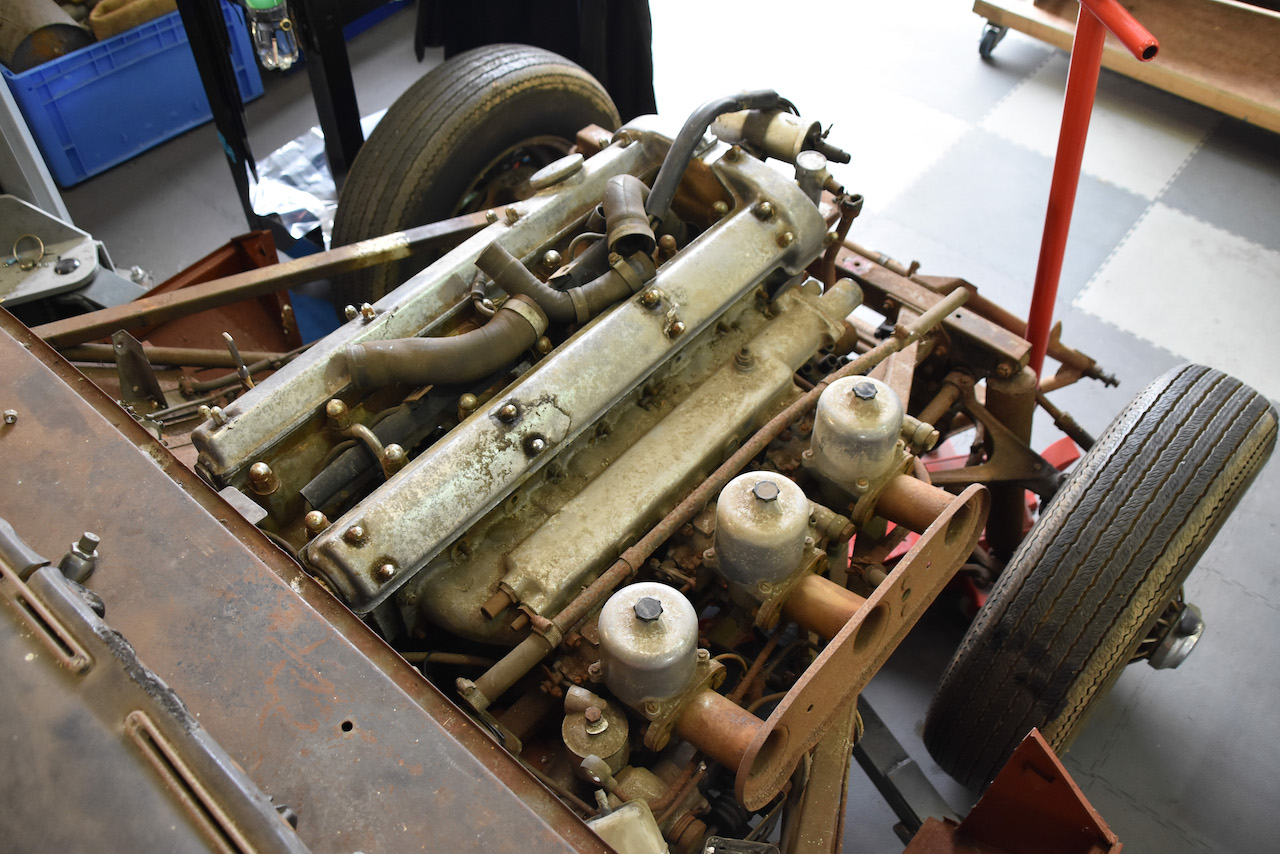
<point>681,152</point>
<point>580,304</point>
<point>625,216</point>
<point>453,359</point>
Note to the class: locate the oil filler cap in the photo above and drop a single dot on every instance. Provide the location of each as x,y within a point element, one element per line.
<point>865,391</point>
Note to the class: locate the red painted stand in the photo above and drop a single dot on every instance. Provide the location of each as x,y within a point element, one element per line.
<point>1095,19</point>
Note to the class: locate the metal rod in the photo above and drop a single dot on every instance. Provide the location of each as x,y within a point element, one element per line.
<point>189,357</point>
<point>254,283</point>
<point>1082,84</point>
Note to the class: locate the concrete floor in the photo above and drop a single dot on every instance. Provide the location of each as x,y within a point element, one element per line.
<point>1174,256</point>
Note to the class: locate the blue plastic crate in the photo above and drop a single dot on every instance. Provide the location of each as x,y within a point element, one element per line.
<point>106,103</point>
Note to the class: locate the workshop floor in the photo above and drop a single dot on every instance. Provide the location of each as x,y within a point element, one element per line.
<point>1174,256</point>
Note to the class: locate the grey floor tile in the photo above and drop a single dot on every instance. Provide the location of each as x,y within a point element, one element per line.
<point>1233,182</point>
<point>988,196</point>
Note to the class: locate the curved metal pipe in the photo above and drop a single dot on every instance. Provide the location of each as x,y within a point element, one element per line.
<point>453,359</point>
<point>578,304</point>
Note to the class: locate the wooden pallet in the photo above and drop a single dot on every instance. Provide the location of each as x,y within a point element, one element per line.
<point>1223,54</point>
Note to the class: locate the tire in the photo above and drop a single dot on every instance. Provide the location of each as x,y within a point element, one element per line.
<point>461,139</point>
<point>1096,571</point>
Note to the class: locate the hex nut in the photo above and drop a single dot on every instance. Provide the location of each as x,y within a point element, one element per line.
<point>10,416</point>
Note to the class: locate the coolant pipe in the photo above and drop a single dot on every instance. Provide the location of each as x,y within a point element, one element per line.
<point>575,305</point>
<point>681,152</point>
<point>452,359</point>
<point>526,655</point>
<point>625,217</point>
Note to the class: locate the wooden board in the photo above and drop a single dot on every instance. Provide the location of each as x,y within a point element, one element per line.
<point>1222,54</point>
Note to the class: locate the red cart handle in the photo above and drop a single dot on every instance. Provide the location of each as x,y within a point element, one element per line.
<point>1095,19</point>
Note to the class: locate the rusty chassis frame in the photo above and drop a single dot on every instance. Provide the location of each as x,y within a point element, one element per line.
<point>329,720</point>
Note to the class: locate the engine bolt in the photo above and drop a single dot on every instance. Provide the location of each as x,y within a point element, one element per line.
<point>592,714</point>
<point>676,329</point>
<point>551,259</point>
<point>513,215</point>
<point>829,238</point>
<point>766,490</point>
<point>720,209</point>
<point>394,457</point>
<point>218,417</point>
<point>10,416</point>
<point>467,404</point>
<point>262,479</point>
<point>315,522</point>
<point>385,572</point>
<point>786,239</point>
<point>350,312</point>
<point>763,211</point>
<point>744,359</point>
<point>543,346</point>
<point>650,298</point>
<point>491,217</point>
<point>535,445</point>
<point>204,412</point>
<point>614,258</point>
<point>338,414</point>
<point>733,154</point>
<point>1004,370</point>
<point>508,412</point>
<point>354,535</point>
<point>667,246</point>
<point>367,312</point>
<point>647,608</point>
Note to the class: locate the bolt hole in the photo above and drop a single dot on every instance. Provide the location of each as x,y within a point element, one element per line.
<point>810,709</point>
<point>347,726</point>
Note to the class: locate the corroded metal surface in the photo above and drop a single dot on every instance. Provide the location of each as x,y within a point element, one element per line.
<point>320,713</point>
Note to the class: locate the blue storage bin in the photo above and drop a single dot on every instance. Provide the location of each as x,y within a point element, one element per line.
<point>101,105</point>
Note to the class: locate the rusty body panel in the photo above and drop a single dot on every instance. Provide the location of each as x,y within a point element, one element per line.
<point>319,712</point>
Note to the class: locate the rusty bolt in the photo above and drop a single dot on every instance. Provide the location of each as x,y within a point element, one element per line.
<point>543,346</point>
<point>650,298</point>
<point>394,457</point>
<point>667,245</point>
<point>595,671</point>
<point>468,403</point>
<point>763,211</point>
<point>592,714</point>
<point>508,412</point>
<point>10,416</point>
<point>350,312</point>
<point>1004,370</point>
<point>623,138</point>
<point>675,329</point>
<point>829,238</point>
<point>786,239</point>
<point>513,215</point>
<point>744,359</point>
<point>262,479</point>
<point>720,209</point>
<point>491,217</point>
<point>367,312</point>
<point>552,259</point>
<point>734,152</point>
<point>385,572</point>
<point>338,414</point>
<point>218,416</point>
<point>354,535</point>
<point>315,522</point>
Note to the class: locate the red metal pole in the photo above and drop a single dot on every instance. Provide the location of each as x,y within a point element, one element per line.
<point>1095,19</point>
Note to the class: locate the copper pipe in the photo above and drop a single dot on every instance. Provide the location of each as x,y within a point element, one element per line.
<point>820,605</point>
<point>536,646</point>
<point>753,672</point>
<point>718,727</point>
<point>911,502</point>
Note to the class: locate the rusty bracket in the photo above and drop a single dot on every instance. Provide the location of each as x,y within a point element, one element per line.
<point>138,382</point>
<point>822,695</point>
<point>1011,459</point>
